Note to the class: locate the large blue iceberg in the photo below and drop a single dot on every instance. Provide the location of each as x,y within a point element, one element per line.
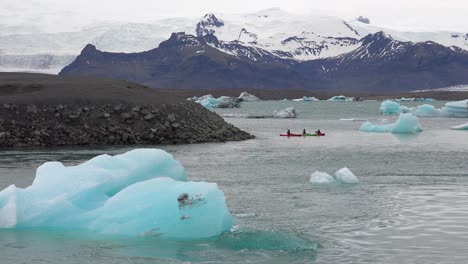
<point>451,109</point>
<point>406,123</point>
<point>141,192</point>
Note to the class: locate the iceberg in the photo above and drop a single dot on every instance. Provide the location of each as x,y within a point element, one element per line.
<point>319,177</point>
<point>406,123</point>
<point>389,108</point>
<point>426,110</point>
<point>246,97</point>
<point>451,109</point>
<point>210,102</point>
<point>144,192</point>
<point>461,127</point>
<point>456,109</point>
<point>306,99</point>
<point>289,112</point>
<point>343,175</point>
<point>340,98</point>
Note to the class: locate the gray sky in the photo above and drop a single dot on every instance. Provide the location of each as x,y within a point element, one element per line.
<point>70,14</point>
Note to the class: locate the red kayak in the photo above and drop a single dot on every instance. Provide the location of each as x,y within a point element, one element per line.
<point>291,135</point>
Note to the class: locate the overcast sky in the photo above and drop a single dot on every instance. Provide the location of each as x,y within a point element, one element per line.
<point>70,14</point>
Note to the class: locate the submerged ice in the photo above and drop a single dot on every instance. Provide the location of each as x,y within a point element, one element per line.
<point>141,192</point>
<point>406,123</point>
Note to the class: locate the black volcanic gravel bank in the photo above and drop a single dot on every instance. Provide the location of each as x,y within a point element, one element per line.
<point>47,110</point>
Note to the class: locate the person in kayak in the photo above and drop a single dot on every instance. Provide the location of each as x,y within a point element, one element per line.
<point>304,132</point>
<point>318,132</point>
<point>288,132</point>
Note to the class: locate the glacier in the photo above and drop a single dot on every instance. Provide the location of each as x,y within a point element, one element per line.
<point>406,123</point>
<point>143,192</point>
<point>451,109</point>
<point>343,175</point>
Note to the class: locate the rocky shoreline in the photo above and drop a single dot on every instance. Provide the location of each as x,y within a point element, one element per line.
<point>112,124</point>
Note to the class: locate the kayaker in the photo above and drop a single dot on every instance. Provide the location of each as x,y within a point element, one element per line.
<point>304,132</point>
<point>288,132</point>
<point>318,132</point>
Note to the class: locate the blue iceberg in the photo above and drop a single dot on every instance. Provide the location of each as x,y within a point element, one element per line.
<point>141,192</point>
<point>389,108</point>
<point>406,123</point>
<point>451,109</point>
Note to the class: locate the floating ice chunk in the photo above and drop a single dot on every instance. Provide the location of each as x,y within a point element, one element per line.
<point>246,97</point>
<point>451,109</point>
<point>208,101</point>
<point>461,127</point>
<point>321,178</point>
<point>340,98</point>
<point>353,119</point>
<point>344,175</point>
<point>389,108</point>
<point>306,99</point>
<point>456,109</point>
<point>289,112</point>
<point>136,193</point>
<point>426,110</point>
<point>406,123</point>
<point>404,109</point>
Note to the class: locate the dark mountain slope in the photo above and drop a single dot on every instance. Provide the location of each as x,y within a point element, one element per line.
<point>379,64</point>
<point>185,61</point>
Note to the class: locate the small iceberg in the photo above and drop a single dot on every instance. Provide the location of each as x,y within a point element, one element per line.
<point>343,175</point>
<point>289,112</point>
<point>143,192</point>
<point>353,119</point>
<point>306,99</point>
<point>319,177</point>
<point>246,97</point>
<point>460,127</point>
<point>210,102</point>
<point>340,98</point>
<point>451,109</point>
<point>389,108</point>
<point>406,123</point>
<point>426,110</point>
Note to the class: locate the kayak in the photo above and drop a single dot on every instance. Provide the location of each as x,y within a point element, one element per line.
<point>291,135</point>
<point>315,135</point>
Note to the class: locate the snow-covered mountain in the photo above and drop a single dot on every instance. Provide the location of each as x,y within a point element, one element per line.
<point>270,33</point>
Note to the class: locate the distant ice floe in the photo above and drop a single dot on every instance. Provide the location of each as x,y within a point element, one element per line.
<point>451,109</point>
<point>306,99</point>
<point>461,127</point>
<point>343,175</point>
<point>143,192</point>
<point>340,98</point>
<point>289,112</point>
<point>210,102</point>
<point>415,99</point>
<point>406,123</point>
<point>353,119</point>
